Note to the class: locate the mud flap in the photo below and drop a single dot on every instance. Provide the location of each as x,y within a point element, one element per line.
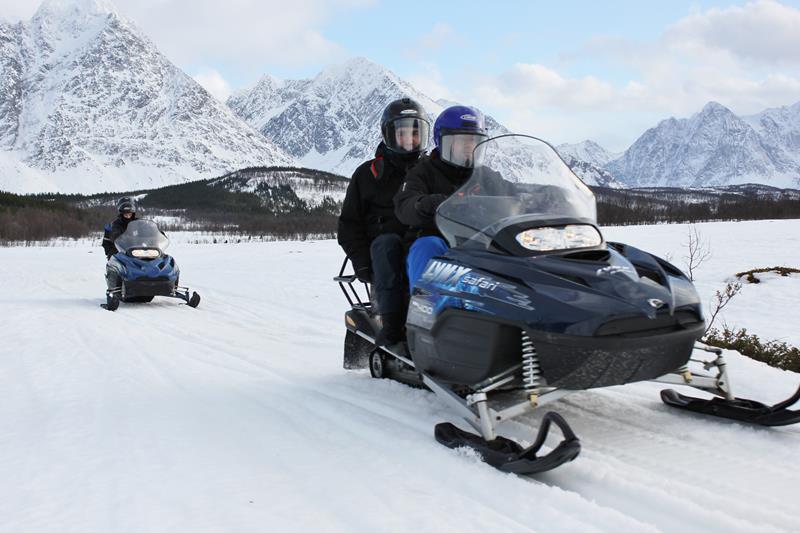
<point>739,409</point>
<point>507,455</point>
<point>356,351</point>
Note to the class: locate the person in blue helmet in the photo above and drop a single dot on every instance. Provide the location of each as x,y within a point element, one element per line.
<point>456,133</point>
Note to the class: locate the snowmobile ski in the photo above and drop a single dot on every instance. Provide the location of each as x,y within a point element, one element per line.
<point>112,302</point>
<point>743,410</point>
<point>507,455</point>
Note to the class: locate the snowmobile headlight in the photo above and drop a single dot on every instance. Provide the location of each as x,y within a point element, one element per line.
<point>146,253</point>
<point>560,238</point>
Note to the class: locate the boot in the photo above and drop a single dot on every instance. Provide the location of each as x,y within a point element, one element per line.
<point>393,330</point>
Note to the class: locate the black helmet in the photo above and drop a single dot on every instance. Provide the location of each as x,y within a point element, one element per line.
<point>405,127</point>
<point>126,205</point>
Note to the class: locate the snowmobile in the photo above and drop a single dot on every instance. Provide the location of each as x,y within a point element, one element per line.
<point>140,270</point>
<point>531,303</point>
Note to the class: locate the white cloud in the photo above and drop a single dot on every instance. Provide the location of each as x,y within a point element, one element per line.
<point>245,33</point>
<point>745,57</point>
<point>537,85</point>
<point>242,33</point>
<point>430,82</point>
<point>14,10</point>
<point>441,35</point>
<point>214,83</point>
<point>765,31</point>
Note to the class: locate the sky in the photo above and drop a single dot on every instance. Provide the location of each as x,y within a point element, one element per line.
<point>565,70</point>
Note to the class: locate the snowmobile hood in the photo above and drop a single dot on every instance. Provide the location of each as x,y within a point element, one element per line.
<point>130,268</point>
<point>639,283</point>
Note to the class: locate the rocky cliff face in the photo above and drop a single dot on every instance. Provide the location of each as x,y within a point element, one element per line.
<point>89,104</point>
<point>715,147</point>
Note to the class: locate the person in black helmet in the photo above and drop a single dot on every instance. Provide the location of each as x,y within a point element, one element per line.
<point>368,229</point>
<point>126,211</point>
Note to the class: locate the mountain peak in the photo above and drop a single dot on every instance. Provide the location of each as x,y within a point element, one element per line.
<point>358,68</point>
<point>715,108</point>
<point>105,110</point>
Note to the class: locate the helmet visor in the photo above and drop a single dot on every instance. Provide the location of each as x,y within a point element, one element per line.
<point>407,135</point>
<point>459,149</point>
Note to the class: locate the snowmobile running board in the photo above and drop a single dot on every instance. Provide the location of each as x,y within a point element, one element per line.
<point>499,452</point>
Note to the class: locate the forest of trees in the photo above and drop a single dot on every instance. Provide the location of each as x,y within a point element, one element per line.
<point>620,207</point>
<point>276,210</point>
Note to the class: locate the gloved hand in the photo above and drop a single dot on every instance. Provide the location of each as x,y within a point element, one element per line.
<point>364,274</point>
<point>426,205</point>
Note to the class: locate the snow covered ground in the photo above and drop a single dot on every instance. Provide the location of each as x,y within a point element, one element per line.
<point>237,416</point>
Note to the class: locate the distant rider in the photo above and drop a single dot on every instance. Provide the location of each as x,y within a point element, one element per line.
<point>126,211</point>
<point>369,231</point>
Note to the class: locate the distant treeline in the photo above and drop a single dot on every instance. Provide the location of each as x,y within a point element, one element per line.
<point>26,218</point>
<point>617,207</point>
<point>272,208</point>
<point>207,205</point>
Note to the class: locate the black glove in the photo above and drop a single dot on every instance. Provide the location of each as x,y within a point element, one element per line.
<point>364,274</point>
<point>426,205</point>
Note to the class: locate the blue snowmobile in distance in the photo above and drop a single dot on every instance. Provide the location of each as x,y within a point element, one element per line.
<point>530,303</point>
<point>140,270</point>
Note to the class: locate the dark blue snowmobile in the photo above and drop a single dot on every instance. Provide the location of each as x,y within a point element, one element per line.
<point>140,270</point>
<point>530,304</point>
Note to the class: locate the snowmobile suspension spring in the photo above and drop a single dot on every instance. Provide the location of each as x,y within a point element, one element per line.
<point>530,365</point>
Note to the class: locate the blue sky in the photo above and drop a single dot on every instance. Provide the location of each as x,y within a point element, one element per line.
<point>564,70</point>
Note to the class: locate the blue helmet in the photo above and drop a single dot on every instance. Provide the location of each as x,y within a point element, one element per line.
<point>458,119</point>
<point>464,122</point>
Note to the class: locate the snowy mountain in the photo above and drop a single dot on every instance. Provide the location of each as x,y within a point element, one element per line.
<point>779,129</point>
<point>715,147</point>
<point>330,122</point>
<point>587,151</point>
<point>587,159</point>
<point>311,187</point>
<point>89,104</point>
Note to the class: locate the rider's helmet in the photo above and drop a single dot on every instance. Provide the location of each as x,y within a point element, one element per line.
<point>405,127</point>
<point>456,132</point>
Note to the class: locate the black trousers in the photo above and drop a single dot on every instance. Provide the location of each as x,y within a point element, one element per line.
<point>388,273</point>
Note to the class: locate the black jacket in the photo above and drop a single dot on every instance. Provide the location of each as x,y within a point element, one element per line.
<point>118,227</point>
<point>368,208</point>
<point>427,185</point>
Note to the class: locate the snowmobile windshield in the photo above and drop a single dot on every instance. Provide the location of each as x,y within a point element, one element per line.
<point>521,193</point>
<point>142,235</point>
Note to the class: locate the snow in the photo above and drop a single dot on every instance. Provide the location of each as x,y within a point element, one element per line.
<point>237,416</point>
